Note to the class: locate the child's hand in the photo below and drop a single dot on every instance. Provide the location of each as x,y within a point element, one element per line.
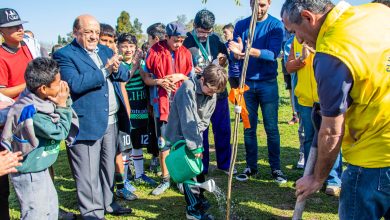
<point>62,95</point>
<point>8,162</point>
<point>200,155</point>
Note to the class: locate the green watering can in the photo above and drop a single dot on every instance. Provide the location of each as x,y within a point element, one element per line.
<point>183,166</point>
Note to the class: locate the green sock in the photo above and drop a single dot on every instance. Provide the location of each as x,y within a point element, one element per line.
<point>119,180</point>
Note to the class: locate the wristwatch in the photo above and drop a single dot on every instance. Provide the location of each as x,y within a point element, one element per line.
<point>301,59</point>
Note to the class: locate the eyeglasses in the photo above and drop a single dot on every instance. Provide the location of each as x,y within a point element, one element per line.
<point>202,32</point>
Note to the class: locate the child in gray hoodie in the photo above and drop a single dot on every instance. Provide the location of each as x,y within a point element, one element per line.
<point>36,124</point>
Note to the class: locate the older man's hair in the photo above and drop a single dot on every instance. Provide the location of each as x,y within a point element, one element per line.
<point>385,2</point>
<point>293,8</point>
<point>204,19</point>
<point>76,24</point>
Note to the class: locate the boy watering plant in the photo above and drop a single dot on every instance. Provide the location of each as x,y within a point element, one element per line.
<point>190,114</point>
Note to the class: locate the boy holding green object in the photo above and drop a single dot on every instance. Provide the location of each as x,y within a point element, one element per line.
<point>190,114</point>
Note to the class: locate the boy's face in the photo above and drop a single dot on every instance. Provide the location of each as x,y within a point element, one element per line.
<point>210,91</point>
<point>13,34</point>
<point>228,35</point>
<point>108,41</point>
<point>54,88</point>
<point>174,42</point>
<point>152,41</point>
<point>127,50</point>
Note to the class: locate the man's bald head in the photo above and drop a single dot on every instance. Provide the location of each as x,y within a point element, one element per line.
<point>82,20</point>
<point>86,30</point>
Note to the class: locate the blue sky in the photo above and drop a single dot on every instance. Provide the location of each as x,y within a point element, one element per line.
<point>48,18</point>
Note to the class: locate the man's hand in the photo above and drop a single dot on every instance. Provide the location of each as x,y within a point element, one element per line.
<point>112,65</point>
<point>62,95</point>
<point>222,59</point>
<point>306,186</point>
<point>236,47</point>
<point>306,51</point>
<point>8,162</point>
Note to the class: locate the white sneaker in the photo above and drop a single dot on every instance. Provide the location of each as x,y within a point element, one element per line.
<point>129,187</point>
<point>301,161</point>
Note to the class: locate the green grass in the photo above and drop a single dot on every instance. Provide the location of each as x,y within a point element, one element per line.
<point>256,199</point>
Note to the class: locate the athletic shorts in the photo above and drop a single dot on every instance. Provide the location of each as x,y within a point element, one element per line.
<point>124,142</point>
<point>140,137</point>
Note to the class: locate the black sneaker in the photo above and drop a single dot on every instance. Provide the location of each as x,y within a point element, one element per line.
<point>244,176</point>
<point>279,176</point>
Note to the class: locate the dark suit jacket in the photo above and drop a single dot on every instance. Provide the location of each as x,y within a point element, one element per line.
<point>89,89</point>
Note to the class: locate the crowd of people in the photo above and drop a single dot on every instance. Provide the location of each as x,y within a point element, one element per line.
<point>108,98</point>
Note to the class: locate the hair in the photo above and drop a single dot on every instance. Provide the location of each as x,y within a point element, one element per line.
<point>293,8</point>
<point>229,26</point>
<point>145,47</point>
<point>76,24</point>
<point>40,71</point>
<point>156,30</point>
<point>127,37</point>
<point>204,19</point>
<point>55,48</point>
<point>385,2</point>
<point>215,76</point>
<point>107,30</point>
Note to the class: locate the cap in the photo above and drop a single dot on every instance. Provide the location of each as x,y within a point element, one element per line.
<point>9,18</point>
<point>176,29</point>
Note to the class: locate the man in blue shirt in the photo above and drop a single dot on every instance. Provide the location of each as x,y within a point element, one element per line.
<point>261,79</point>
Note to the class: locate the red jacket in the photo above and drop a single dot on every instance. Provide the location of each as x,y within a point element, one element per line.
<point>159,62</point>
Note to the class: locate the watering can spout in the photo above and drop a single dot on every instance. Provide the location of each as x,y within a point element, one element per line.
<point>208,185</point>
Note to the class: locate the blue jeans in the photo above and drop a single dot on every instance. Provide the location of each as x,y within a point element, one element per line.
<point>305,117</point>
<point>264,94</point>
<point>365,193</point>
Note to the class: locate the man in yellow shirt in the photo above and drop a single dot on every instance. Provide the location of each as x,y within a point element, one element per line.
<point>352,67</point>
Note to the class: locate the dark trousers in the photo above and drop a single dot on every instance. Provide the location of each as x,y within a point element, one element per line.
<point>4,194</point>
<point>221,129</point>
<point>194,194</point>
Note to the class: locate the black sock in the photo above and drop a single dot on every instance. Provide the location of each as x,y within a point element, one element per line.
<point>119,181</point>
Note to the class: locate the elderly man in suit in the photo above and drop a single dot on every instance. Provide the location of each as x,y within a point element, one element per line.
<point>93,73</point>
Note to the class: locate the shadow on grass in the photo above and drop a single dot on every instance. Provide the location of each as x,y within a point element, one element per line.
<point>258,198</point>
<point>263,198</point>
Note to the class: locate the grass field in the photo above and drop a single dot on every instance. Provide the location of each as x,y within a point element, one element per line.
<point>256,199</point>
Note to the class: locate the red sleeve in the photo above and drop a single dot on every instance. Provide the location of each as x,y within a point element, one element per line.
<point>3,74</point>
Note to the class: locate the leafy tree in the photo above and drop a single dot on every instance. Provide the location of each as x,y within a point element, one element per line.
<point>65,40</point>
<point>123,23</point>
<point>218,29</point>
<point>182,19</point>
<point>190,25</point>
<point>137,29</point>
